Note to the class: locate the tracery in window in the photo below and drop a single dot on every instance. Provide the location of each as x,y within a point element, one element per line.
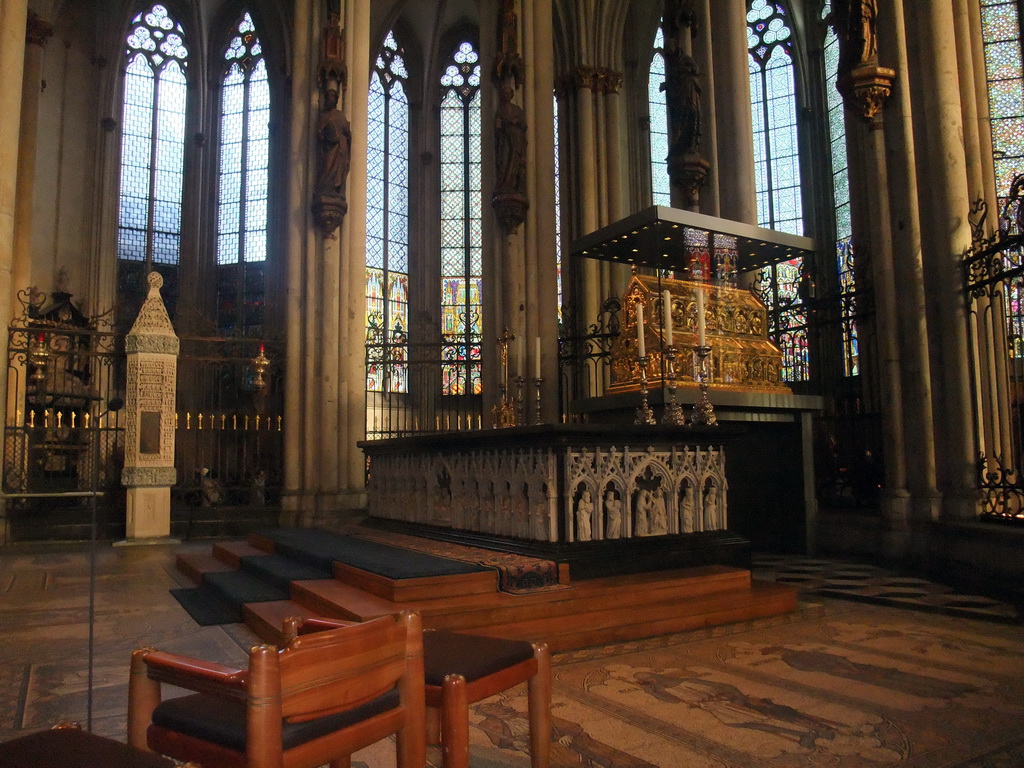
<point>1004,66</point>
<point>461,223</point>
<point>243,184</point>
<point>152,155</point>
<point>841,197</point>
<point>387,222</point>
<point>658,113</point>
<point>777,175</point>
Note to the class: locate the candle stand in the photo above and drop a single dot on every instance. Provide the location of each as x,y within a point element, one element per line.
<point>703,412</point>
<point>644,414</point>
<point>673,413</point>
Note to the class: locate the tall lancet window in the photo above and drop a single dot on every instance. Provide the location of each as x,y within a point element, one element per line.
<point>244,182</point>
<point>1001,25</point>
<point>461,232</point>
<point>152,152</point>
<point>777,174</point>
<point>658,113</point>
<point>387,222</point>
<point>841,198</point>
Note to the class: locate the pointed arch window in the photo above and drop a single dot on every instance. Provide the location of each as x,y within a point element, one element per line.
<point>461,223</point>
<point>841,198</point>
<point>777,175</point>
<point>387,222</point>
<point>243,184</point>
<point>152,154</point>
<point>658,113</point>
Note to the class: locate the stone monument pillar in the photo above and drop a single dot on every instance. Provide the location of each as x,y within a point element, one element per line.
<point>152,348</point>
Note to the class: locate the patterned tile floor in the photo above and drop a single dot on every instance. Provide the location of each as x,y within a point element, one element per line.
<point>862,582</point>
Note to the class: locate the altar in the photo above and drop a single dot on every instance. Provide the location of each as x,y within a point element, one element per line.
<point>605,499</point>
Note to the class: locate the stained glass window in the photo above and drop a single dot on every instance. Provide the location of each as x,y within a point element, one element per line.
<point>1004,66</point>
<point>153,139</point>
<point>777,174</point>
<point>841,197</point>
<point>387,222</point>
<point>461,232</point>
<point>243,183</point>
<point>659,123</point>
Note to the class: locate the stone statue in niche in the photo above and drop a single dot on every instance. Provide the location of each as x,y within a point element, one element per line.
<point>612,515</point>
<point>334,151</point>
<point>509,145</point>
<point>538,511</point>
<point>683,101</point>
<point>658,525</point>
<point>711,508</point>
<point>854,23</point>
<point>686,519</point>
<point>584,516</point>
<point>642,512</point>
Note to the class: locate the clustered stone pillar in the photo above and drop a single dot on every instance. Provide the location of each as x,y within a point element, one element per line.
<point>13,19</point>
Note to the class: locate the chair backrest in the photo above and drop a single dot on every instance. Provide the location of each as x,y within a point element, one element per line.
<point>335,670</point>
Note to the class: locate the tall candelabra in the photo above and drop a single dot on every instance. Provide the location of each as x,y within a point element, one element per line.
<point>673,413</point>
<point>644,414</point>
<point>537,418</point>
<point>703,412</point>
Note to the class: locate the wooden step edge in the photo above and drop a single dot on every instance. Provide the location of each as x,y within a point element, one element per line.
<point>260,541</point>
<point>232,552</point>
<point>330,598</point>
<point>267,619</point>
<point>405,590</point>
<point>601,617</point>
<point>195,564</point>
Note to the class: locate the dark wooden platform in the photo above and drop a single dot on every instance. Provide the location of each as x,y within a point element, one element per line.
<point>567,616</point>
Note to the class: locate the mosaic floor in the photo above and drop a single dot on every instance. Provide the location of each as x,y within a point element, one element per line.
<point>834,683</point>
<point>871,584</point>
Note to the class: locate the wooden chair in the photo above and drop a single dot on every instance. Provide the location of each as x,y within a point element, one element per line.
<point>317,700</point>
<point>460,669</point>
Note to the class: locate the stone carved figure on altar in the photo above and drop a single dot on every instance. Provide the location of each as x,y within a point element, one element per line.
<point>612,515</point>
<point>711,508</point>
<point>658,525</point>
<point>642,514</point>
<point>584,516</point>
<point>686,511</point>
<point>538,511</point>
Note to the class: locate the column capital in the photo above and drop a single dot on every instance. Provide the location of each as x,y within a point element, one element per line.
<point>37,31</point>
<point>607,80</point>
<point>866,89</point>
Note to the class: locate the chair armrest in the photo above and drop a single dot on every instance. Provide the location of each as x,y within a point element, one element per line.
<point>195,674</point>
<point>319,624</point>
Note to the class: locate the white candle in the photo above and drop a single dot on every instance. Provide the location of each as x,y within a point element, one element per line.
<point>641,350</point>
<point>536,362</point>
<point>702,337</point>
<point>666,312</point>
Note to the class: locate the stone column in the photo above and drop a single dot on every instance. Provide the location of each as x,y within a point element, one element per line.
<point>944,204</point>
<point>38,32</point>
<point>702,54</point>
<point>299,225</point>
<point>908,272</point>
<point>735,127</point>
<point>589,304</point>
<point>352,363</point>
<point>149,473</point>
<point>13,17</point>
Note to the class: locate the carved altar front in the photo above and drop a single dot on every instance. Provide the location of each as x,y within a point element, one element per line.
<point>556,484</point>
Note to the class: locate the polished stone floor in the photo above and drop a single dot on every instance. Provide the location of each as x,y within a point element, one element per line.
<point>834,683</point>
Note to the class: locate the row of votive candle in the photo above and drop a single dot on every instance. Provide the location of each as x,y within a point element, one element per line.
<point>57,419</point>
<point>666,304</point>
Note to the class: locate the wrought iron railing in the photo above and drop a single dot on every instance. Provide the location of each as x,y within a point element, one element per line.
<point>993,272</point>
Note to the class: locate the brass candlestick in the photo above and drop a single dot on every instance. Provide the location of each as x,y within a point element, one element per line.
<point>673,413</point>
<point>520,417</point>
<point>703,412</point>
<point>644,414</point>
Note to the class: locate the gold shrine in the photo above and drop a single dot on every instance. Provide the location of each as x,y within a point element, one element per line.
<point>743,358</point>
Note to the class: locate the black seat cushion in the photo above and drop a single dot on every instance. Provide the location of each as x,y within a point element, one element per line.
<point>472,656</point>
<point>222,721</point>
